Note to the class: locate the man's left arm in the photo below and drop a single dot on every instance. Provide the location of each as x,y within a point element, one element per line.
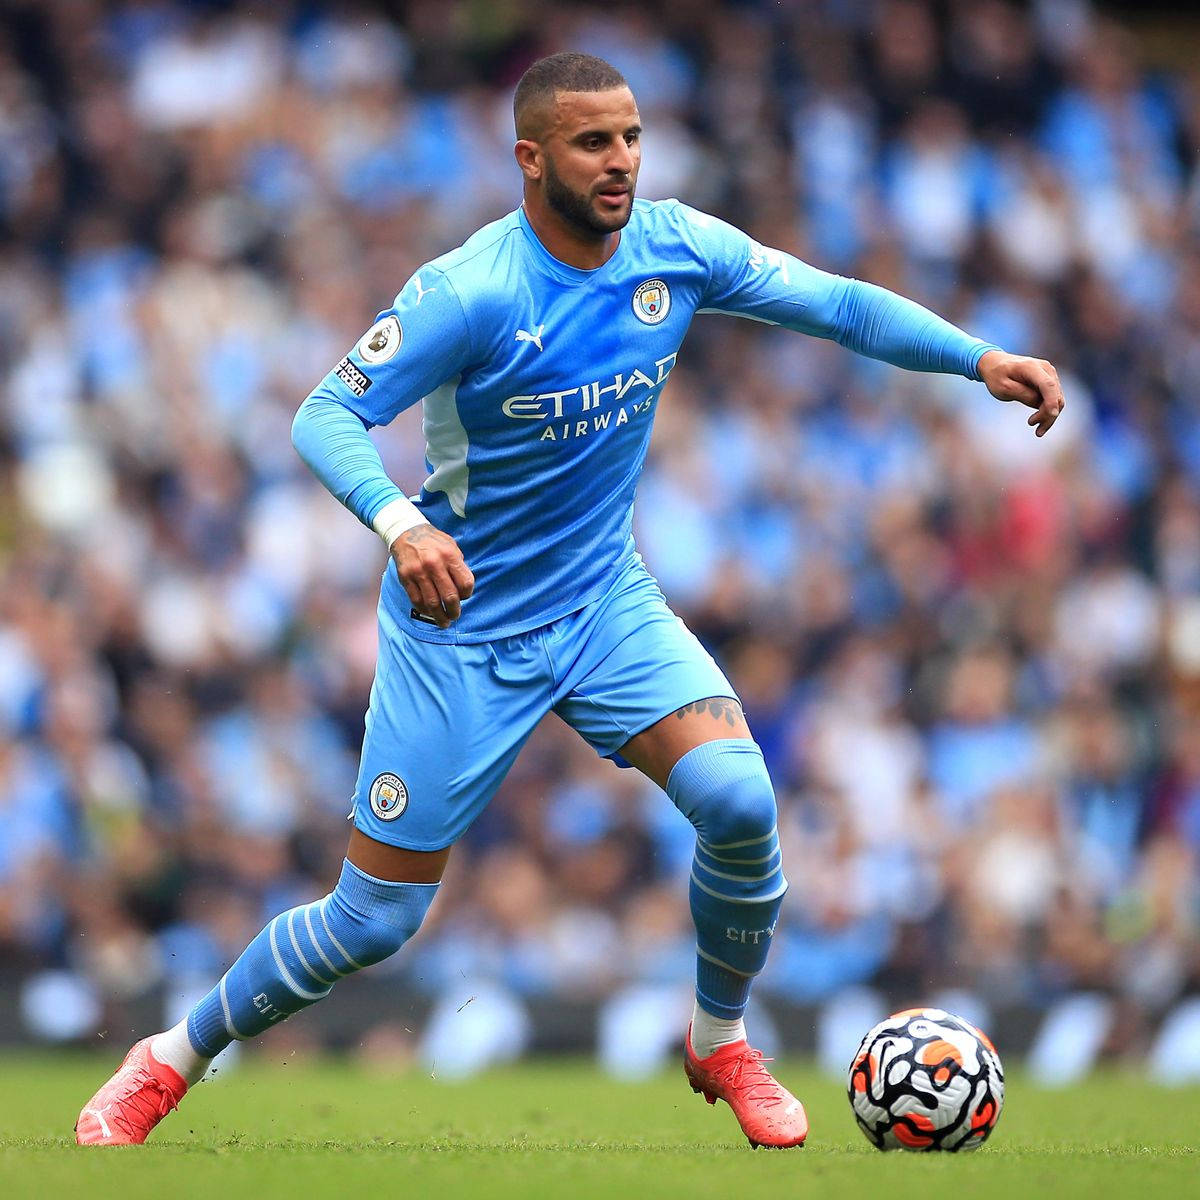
<point>881,324</point>
<point>755,281</point>
<point>1030,381</point>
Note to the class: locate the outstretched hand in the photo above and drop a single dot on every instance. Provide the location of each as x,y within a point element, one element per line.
<point>431,568</point>
<point>1030,381</point>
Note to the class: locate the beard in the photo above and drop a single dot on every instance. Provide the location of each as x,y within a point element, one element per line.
<point>576,209</point>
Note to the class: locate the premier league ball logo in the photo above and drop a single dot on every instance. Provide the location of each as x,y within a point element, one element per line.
<point>381,341</point>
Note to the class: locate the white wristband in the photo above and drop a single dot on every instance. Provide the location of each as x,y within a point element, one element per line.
<point>396,517</point>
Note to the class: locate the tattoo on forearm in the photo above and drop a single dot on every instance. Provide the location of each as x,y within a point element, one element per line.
<point>716,706</point>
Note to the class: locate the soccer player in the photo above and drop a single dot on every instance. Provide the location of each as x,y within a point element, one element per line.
<point>540,349</point>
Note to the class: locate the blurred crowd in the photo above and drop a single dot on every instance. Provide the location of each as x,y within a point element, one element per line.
<point>972,658</point>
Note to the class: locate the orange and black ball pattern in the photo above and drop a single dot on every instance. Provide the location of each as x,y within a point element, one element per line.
<point>925,1079</point>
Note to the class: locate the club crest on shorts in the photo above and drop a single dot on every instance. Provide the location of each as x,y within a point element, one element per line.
<point>652,302</point>
<point>389,796</point>
<point>381,341</point>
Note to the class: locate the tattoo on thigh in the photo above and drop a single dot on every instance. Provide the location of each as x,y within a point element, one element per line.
<point>717,706</point>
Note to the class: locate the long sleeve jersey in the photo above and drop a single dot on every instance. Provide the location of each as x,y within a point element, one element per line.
<point>539,382</point>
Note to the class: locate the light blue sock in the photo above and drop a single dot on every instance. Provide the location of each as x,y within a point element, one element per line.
<point>297,958</point>
<point>737,883</point>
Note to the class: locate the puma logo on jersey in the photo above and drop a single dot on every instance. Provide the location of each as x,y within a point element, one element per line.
<point>523,335</point>
<point>422,292</point>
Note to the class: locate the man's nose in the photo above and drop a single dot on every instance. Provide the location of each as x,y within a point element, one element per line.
<point>620,159</point>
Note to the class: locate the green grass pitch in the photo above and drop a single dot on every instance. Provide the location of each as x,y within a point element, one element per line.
<point>317,1129</point>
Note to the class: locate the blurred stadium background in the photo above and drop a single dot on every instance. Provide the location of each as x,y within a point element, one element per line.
<point>972,659</point>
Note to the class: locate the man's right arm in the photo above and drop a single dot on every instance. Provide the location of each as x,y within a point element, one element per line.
<point>333,441</point>
<point>409,351</point>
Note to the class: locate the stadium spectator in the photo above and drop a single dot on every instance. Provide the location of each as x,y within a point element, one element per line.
<point>952,674</point>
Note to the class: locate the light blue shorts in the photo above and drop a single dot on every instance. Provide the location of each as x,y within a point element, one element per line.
<point>446,721</point>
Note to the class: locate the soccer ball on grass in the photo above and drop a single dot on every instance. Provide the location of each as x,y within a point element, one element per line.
<point>925,1079</point>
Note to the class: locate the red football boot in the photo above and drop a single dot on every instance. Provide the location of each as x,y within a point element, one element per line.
<point>767,1112</point>
<point>132,1102</point>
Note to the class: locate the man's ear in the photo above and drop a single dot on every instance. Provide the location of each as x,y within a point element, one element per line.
<point>529,158</point>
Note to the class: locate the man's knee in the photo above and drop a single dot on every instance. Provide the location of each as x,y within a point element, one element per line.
<point>745,815</point>
<point>723,788</point>
<point>366,920</point>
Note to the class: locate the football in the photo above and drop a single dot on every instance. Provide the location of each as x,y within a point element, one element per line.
<point>925,1079</point>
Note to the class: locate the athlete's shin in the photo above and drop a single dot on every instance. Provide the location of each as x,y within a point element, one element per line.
<point>297,958</point>
<point>737,882</point>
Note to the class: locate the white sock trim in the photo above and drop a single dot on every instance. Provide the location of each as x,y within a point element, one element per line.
<point>710,1033</point>
<point>174,1049</point>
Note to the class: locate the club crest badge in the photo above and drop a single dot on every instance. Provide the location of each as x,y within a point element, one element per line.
<point>652,302</point>
<point>389,796</point>
<point>381,341</point>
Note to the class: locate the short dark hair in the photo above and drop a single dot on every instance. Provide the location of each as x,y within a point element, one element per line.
<point>565,72</point>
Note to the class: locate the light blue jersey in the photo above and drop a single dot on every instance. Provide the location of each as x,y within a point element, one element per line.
<point>540,381</point>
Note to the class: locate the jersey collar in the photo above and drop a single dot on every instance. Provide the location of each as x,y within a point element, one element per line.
<point>555,267</point>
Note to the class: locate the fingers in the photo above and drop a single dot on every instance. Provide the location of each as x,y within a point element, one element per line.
<point>437,597</point>
<point>1042,420</point>
<point>446,592</point>
<point>413,592</point>
<point>464,581</point>
<point>1034,383</point>
<point>1053,400</point>
<point>428,600</point>
<point>1045,378</point>
<point>1053,388</point>
<point>1023,393</point>
<point>431,570</point>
